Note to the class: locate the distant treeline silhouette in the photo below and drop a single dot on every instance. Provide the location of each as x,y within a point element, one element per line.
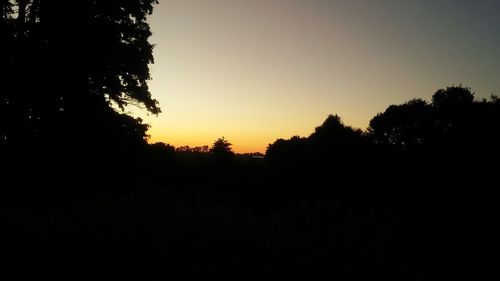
<point>452,133</point>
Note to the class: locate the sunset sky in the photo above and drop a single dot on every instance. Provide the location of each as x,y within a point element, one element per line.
<point>257,70</point>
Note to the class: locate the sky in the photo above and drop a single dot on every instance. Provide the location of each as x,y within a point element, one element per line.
<point>257,70</point>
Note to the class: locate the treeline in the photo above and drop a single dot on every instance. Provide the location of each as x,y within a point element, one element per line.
<point>452,136</point>
<point>434,165</point>
<point>448,140</point>
<point>83,191</point>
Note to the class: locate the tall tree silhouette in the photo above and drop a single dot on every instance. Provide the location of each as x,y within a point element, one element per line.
<point>221,150</point>
<point>221,146</point>
<point>70,67</point>
<point>404,126</point>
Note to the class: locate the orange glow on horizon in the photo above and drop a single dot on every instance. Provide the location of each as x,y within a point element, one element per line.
<point>255,71</point>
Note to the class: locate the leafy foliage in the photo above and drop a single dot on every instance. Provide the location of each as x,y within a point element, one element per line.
<point>452,122</point>
<point>403,126</point>
<point>221,150</point>
<point>68,64</point>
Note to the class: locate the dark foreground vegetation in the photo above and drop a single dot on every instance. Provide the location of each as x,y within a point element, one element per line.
<point>84,196</point>
<point>393,203</point>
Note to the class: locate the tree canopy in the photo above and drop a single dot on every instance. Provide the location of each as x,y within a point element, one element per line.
<point>331,145</point>
<point>453,121</point>
<point>221,147</point>
<point>453,131</point>
<point>70,68</point>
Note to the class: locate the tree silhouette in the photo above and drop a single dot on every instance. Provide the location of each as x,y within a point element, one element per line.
<point>221,147</point>
<point>449,120</point>
<point>288,153</point>
<point>333,134</point>
<point>221,151</point>
<point>70,67</point>
<point>331,145</point>
<point>453,97</point>
<point>454,134</point>
<point>404,126</point>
